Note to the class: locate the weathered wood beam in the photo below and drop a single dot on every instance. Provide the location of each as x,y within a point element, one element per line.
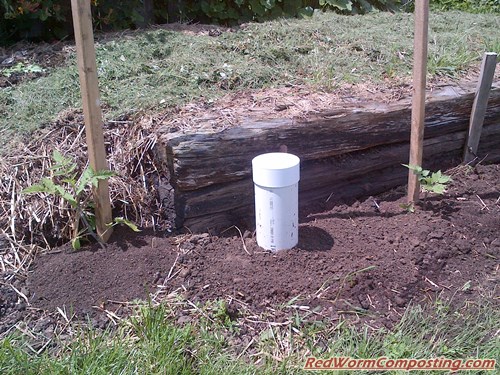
<point>225,155</point>
<point>341,177</point>
<point>345,155</point>
<point>480,105</point>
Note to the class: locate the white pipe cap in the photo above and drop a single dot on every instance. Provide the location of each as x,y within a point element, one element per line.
<point>276,169</point>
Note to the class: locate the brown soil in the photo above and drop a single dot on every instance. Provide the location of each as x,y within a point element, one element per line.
<point>44,55</point>
<point>369,259</point>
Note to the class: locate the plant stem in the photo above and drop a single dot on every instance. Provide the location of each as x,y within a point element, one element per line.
<point>76,223</point>
<point>89,228</point>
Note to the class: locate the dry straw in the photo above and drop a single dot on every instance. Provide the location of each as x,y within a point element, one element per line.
<point>44,219</point>
<point>141,191</point>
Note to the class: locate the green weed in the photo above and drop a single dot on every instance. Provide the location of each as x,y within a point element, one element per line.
<point>73,188</point>
<point>430,182</point>
<point>21,68</point>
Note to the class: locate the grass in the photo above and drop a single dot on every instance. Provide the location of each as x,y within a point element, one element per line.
<point>155,69</point>
<point>151,344</point>
<point>147,71</point>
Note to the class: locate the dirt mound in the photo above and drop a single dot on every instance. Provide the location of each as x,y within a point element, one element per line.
<point>96,279</point>
<point>370,259</point>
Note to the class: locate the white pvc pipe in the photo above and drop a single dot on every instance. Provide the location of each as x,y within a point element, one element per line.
<point>276,178</point>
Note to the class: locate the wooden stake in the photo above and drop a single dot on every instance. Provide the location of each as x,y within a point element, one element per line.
<point>480,104</point>
<point>84,38</point>
<point>418,103</point>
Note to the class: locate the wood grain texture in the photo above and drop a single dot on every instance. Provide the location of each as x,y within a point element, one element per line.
<point>343,156</point>
<point>87,70</point>
<point>337,178</point>
<point>480,105</point>
<point>199,160</point>
<point>418,94</point>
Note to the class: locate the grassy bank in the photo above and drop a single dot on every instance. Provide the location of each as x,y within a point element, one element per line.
<point>147,71</point>
<point>151,344</point>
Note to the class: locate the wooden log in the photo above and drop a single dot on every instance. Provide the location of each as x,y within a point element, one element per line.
<point>374,182</point>
<point>340,177</point>
<point>344,155</point>
<point>226,155</point>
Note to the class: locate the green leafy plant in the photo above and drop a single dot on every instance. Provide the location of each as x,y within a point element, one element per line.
<point>20,68</point>
<point>430,182</point>
<point>233,12</point>
<point>473,6</point>
<point>359,6</point>
<point>408,207</point>
<point>74,188</point>
<point>48,19</point>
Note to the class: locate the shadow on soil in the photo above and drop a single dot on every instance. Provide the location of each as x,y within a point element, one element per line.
<point>314,239</point>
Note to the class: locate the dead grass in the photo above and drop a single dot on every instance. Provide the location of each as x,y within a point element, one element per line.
<point>158,69</point>
<point>179,336</point>
<point>184,79</point>
<point>41,218</point>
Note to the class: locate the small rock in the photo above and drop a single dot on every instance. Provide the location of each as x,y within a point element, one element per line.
<point>414,242</point>
<point>185,272</point>
<point>186,246</point>
<point>202,238</point>
<point>365,304</point>
<point>232,311</point>
<point>184,319</point>
<point>8,61</point>
<point>21,306</point>
<point>399,301</point>
<point>437,234</point>
<point>157,277</point>
<point>442,254</point>
<point>427,259</point>
<point>463,245</point>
